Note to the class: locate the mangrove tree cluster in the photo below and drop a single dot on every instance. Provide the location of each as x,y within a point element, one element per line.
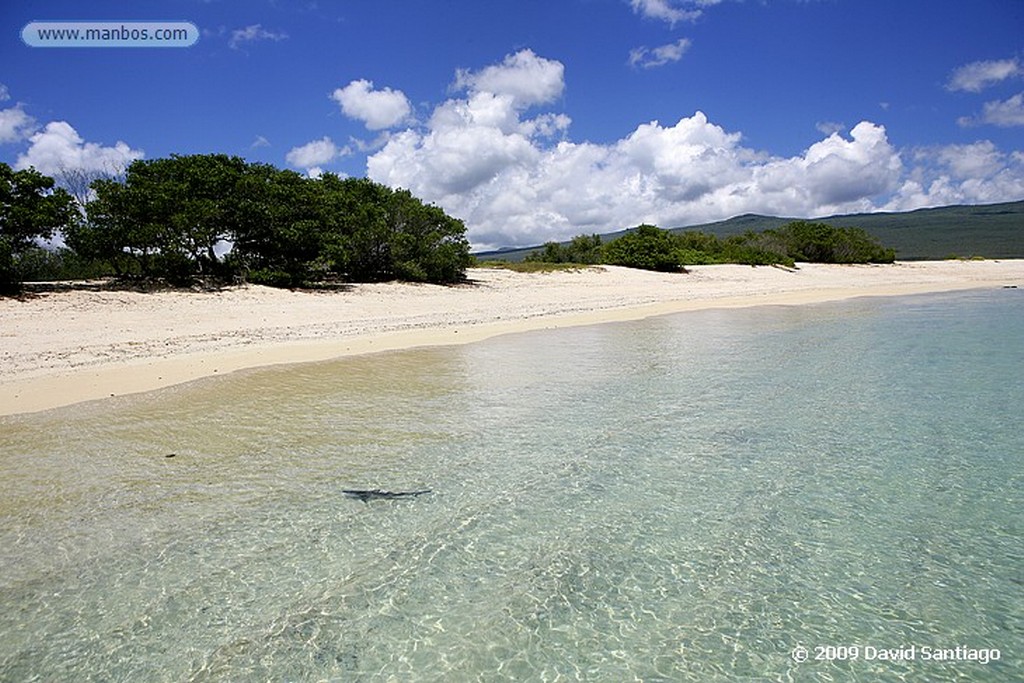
<point>219,217</point>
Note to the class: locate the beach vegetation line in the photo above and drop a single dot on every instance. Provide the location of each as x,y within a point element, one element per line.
<point>652,248</point>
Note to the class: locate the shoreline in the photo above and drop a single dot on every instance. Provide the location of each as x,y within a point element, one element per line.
<point>112,343</point>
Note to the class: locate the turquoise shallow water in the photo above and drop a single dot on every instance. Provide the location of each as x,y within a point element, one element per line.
<point>690,497</point>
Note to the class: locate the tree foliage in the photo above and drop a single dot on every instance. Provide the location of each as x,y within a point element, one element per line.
<point>647,247</point>
<point>822,243</point>
<point>585,249</point>
<point>30,210</point>
<point>175,218</point>
<point>351,229</point>
<point>651,248</point>
<point>167,219</point>
<point>46,264</point>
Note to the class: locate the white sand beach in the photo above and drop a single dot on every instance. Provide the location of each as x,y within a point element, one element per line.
<point>65,347</point>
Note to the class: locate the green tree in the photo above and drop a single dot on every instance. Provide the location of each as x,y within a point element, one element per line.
<point>167,219</point>
<point>372,233</point>
<point>307,230</point>
<point>278,237</point>
<point>428,244</point>
<point>823,243</point>
<point>116,231</point>
<point>581,249</point>
<point>699,248</point>
<point>364,246</point>
<point>30,210</point>
<point>756,249</point>
<point>46,264</point>
<point>173,218</point>
<point>586,249</point>
<point>551,252</point>
<point>647,247</point>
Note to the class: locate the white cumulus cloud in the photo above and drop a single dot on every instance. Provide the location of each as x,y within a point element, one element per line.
<point>517,178</point>
<point>526,78</point>
<point>837,173</point>
<point>975,173</point>
<point>377,109</point>
<point>59,147</point>
<point>315,154</point>
<point>659,56</point>
<point>15,124</point>
<point>977,76</point>
<point>467,144</point>
<point>512,189</point>
<point>980,159</point>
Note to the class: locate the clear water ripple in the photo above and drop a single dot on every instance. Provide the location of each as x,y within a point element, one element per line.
<point>683,498</point>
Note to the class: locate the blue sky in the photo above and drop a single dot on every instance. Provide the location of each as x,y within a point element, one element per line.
<point>542,119</point>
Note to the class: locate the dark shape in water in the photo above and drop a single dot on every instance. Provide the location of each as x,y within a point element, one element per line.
<point>367,495</point>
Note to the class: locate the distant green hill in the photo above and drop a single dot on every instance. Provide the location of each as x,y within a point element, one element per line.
<point>989,230</point>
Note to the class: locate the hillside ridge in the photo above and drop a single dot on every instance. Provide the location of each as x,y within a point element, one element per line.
<point>961,230</point>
